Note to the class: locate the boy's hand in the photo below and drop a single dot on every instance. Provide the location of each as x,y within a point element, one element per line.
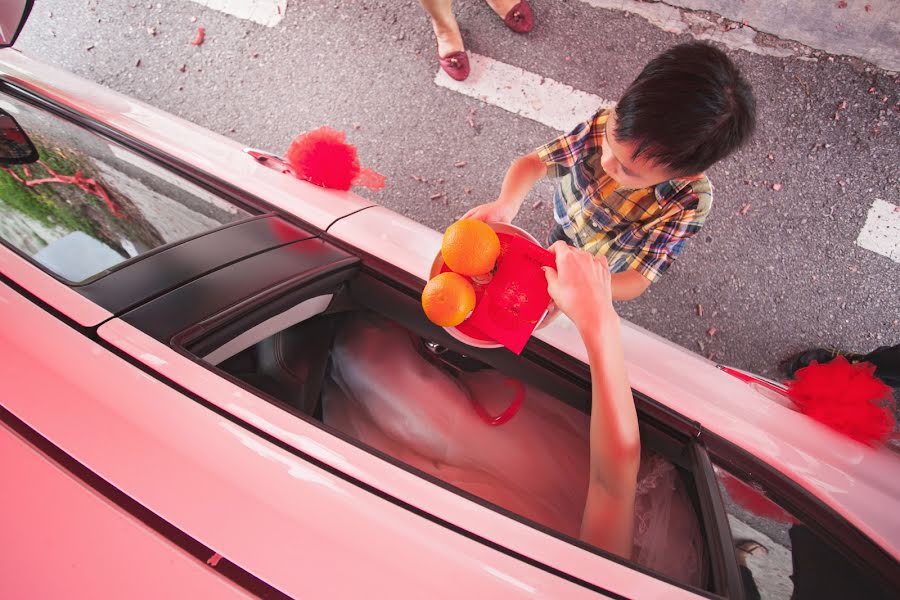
<point>580,285</point>
<point>497,211</point>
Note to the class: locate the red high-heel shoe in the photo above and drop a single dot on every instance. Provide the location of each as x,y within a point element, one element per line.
<point>456,65</point>
<point>520,18</point>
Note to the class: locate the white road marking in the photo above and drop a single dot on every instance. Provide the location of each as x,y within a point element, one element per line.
<point>881,233</point>
<point>527,94</point>
<point>265,12</point>
<point>667,18</point>
<point>672,19</point>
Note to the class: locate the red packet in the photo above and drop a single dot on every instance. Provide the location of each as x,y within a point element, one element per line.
<point>514,301</point>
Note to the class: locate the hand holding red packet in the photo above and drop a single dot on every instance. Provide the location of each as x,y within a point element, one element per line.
<point>514,301</point>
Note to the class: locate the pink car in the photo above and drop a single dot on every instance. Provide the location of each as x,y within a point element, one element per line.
<point>168,305</point>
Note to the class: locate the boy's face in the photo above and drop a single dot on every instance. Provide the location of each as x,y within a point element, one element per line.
<point>628,172</point>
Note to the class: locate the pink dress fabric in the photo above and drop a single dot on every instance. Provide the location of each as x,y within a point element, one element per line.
<point>383,392</point>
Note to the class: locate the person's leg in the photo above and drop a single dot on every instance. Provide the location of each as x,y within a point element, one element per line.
<point>803,359</point>
<point>446,30</point>
<point>451,53</point>
<point>887,364</point>
<point>515,13</point>
<point>502,7</point>
<point>886,360</point>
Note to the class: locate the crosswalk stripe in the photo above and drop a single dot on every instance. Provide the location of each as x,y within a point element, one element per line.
<point>524,93</point>
<point>881,232</point>
<point>265,12</point>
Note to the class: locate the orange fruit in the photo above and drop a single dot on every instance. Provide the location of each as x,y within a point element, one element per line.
<point>470,247</point>
<point>448,299</point>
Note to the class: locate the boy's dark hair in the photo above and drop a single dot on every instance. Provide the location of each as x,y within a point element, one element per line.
<point>689,108</point>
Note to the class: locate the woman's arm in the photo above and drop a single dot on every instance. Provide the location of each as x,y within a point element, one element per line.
<point>581,287</point>
<point>615,443</point>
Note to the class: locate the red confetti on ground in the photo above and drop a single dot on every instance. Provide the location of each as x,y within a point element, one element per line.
<point>86,184</point>
<point>201,35</point>
<point>842,4</point>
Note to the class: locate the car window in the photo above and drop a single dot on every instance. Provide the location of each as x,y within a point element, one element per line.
<point>88,204</point>
<point>780,556</point>
<point>357,372</point>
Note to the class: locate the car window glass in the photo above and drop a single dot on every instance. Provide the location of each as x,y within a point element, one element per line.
<point>780,557</point>
<point>89,204</point>
<point>431,409</point>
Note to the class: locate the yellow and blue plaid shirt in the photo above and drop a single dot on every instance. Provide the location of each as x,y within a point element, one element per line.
<point>641,229</point>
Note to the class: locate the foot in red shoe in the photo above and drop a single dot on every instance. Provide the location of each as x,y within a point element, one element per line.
<point>516,16</point>
<point>520,18</point>
<point>451,52</point>
<point>456,65</point>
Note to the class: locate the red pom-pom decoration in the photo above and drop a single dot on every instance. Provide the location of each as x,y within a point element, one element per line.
<point>846,397</point>
<point>323,158</point>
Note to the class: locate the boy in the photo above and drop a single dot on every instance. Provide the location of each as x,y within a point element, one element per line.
<point>631,183</point>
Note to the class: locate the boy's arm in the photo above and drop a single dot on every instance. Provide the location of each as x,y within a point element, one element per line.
<point>558,154</point>
<point>581,287</point>
<point>521,176</point>
<point>628,285</point>
<point>665,242</point>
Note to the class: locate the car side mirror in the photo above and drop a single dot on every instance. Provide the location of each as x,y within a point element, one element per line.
<point>15,146</point>
<point>13,14</point>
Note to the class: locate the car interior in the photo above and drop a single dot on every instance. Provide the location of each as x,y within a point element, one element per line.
<point>283,351</point>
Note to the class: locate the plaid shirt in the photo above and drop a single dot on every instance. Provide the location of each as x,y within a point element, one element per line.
<point>642,229</point>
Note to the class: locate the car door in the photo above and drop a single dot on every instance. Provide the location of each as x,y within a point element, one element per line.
<point>75,219</point>
<point>211,483</point>
<point>787,543</point>
<point>187,334</point>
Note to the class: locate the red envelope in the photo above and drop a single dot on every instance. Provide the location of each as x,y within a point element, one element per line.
<point>512,304</point>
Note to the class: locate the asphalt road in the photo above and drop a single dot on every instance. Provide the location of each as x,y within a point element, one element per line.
<point>775,271</point>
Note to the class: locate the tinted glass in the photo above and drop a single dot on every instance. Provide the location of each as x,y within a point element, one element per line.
<point>12,15</point>
<point>779,555</point>
<point>88,204</point>
<point>15,147</point>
